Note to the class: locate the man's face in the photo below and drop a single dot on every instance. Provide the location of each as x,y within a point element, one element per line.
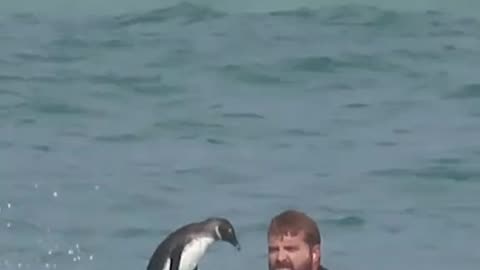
<point>289,252</point>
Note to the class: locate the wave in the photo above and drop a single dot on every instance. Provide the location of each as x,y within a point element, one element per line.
<point>70,9</point>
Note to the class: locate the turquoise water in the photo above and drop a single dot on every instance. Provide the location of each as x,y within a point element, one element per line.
<point>120,122</point>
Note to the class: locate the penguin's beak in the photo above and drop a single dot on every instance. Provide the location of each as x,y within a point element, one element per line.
<point>233,240</point>
<point>237,246</point>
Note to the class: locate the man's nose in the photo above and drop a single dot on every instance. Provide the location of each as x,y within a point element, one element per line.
<point>282,255</point>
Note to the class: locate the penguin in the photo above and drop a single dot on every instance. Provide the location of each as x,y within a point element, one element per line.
<point>183,248</point>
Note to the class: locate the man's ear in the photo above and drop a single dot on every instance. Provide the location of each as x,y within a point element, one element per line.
<point>316,253</point>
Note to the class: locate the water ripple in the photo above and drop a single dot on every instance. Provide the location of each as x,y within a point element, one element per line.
<point>119,80</point>
<point>243,115</point>
<point>60,108</point>
<point>436,172</point>
<point>254,74</point>
<point>187,12</point>
<point>297,13</point>
<point>8,78</point>
<point>119,138</point>
<point>21,226</point>
<point>303,132</point>
<point>56,57</point>
<point>467,91</point>
<point>314,64</point>
<point>348,221</point>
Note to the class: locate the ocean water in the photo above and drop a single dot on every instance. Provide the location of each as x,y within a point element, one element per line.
<point>120,121</point>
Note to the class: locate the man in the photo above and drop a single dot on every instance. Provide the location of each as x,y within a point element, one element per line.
<point>294,242</point>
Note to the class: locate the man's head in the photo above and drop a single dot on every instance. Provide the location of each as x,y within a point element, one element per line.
<point>293,242</point>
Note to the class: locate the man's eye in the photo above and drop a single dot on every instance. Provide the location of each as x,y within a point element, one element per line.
<point>291,248</point>
<point>272,249</point>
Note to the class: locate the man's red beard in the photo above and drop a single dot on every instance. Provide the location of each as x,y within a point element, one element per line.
<point>288,265</point>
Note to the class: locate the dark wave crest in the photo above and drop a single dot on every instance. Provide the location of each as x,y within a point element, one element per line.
<point>187,13</point>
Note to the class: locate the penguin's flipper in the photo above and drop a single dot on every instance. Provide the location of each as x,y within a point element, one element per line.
<point>196,268</point>
<point>175,257</point>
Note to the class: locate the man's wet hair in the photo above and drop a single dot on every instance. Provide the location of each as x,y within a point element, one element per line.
<point>292,222</point>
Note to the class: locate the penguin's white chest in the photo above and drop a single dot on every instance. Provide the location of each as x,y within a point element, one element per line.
<point>192,253</point>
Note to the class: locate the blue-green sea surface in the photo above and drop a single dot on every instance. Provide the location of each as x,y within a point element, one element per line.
<point>120,121</point>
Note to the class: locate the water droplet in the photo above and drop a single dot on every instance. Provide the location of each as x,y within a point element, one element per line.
<point>55,194</point>
<point>77,246</point>
<point>35,186</point>
<point>90,258</point>
<point>50,252</point>
<point>9,224</point>
<point>47,265</point>
<point>97,187</point>
<point>9,205</point>
<point>19,265</point>
<point>70,252</point>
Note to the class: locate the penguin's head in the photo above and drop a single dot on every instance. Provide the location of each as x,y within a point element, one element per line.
<point>224,231</point>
